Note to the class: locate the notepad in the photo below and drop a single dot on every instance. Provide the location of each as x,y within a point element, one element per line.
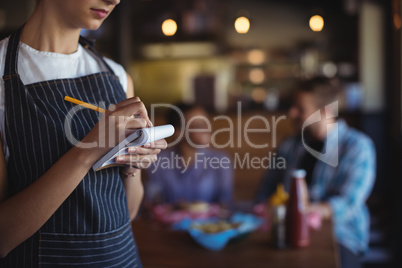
<point>137,138</point>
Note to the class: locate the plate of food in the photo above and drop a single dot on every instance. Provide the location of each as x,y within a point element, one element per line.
<point>169,214</point>
<point>214,233</point>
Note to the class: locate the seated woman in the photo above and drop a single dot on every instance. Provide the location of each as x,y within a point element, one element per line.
<point>189,171</point>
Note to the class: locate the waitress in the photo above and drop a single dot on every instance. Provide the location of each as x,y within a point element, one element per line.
<point>54,209</point>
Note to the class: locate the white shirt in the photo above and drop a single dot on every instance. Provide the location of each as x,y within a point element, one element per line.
<point>36,66</point>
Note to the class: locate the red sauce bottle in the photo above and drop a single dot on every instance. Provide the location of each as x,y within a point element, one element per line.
<point>297,232</point>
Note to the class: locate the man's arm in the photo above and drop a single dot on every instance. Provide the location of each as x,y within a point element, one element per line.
<point>358,166</point>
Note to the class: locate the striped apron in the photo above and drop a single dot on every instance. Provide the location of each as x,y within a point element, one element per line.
<point>91,228</point>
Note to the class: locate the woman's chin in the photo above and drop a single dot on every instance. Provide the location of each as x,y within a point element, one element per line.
<point>93,25</point>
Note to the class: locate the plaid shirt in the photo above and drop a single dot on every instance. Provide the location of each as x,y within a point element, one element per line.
<point>344,187</point>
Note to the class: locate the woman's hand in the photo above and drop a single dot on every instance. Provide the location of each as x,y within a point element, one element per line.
<point>113,127</point>
<point>141,157</point>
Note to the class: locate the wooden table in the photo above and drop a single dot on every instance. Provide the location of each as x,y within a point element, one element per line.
<point>159,246</point>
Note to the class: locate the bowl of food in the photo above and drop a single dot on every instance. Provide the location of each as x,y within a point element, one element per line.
<point>215,233</point>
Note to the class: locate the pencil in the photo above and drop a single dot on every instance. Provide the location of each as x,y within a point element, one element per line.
<point>84,104</point>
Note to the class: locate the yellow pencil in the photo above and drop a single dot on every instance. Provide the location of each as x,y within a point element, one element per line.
<point>84,104</point>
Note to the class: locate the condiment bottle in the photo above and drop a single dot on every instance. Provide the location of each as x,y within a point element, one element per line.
<point>278,228</point>
<point>297,231</point>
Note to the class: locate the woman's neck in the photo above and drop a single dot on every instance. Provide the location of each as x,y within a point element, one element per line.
<point>45,32</point>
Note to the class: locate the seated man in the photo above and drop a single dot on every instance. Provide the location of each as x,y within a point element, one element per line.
<point>341,173</point>
<point>185,173</point>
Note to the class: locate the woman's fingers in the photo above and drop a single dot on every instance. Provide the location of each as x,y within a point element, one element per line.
<point>136,160</point>
<point>159,144</point>
<point>132,106</point>
<point>125,102</point>
<point>135,123</point>
<point>143,151</point>
<point>141,157</point>
<point>119,121</point>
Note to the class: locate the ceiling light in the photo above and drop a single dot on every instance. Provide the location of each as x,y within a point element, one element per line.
<point>169,27</point>
<point>316,23</point>
<point>242,25</point>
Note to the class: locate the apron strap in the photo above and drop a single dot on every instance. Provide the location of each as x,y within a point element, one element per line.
<point>89,44</point>
<point>12,54</point>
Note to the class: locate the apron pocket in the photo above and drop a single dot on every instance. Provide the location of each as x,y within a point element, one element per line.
<point>112,249</point>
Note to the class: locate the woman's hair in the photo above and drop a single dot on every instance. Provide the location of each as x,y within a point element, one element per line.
<point>174,118</point>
